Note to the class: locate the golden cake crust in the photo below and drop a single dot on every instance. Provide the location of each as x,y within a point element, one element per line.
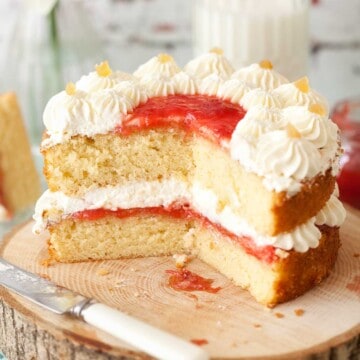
<point>302,271</point>
<point>290,212</point>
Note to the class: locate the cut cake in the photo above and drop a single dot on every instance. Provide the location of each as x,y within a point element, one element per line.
<point>235,167</point>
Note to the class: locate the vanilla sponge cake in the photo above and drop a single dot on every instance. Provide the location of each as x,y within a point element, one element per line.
<point>19,181</point>
<point>235,167</point>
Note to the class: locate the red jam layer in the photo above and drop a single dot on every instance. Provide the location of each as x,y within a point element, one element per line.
<point>209,116</point>
<point>263,253</point>
<point>185,280</point>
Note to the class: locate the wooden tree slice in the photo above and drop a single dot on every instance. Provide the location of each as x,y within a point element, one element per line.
<point>232,323</point>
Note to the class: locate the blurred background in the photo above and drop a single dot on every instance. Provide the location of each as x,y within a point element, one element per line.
<point>46,43</point>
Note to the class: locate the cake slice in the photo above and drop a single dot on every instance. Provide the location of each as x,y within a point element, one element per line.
<point>19,181</point>
<point>196,161</point>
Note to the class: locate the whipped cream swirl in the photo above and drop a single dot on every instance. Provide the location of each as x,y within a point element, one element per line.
<point>259,76</point>
<point>133,91</point>
<point>94,82</point>
<point>66,115</point>
<point>256,122</point>
<point>185,84</point>
<point>291,95</point>
<point>233,90</point>
<point>211,84</point>
<point>285,156</point>
<point>208,64</point>
<point>311,126</point>
<point>162,65</point>
<point>261,97</point>
<point>332,214</point>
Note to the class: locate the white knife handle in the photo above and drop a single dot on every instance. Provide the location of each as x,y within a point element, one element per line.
<point>151,340</point>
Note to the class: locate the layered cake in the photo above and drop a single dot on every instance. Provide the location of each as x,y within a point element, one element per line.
<point>236,167</point>
<point>19,181</point>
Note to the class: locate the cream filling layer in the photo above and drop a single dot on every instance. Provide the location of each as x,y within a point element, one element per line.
<point>52,207</point>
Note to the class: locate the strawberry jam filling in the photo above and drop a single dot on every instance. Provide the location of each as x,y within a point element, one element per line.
<point>208,116</point>
<point>264,253</point>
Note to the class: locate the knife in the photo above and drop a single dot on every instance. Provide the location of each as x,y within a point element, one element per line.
<point>62,301</point>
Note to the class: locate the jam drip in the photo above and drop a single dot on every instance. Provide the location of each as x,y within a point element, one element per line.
<point>264,253</point>
<point>185,280</point>
<point>209,116</point>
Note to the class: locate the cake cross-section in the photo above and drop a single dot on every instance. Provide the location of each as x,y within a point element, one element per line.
<point>236,167</point>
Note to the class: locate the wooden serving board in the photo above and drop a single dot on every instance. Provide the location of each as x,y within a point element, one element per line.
<point>234,325</point>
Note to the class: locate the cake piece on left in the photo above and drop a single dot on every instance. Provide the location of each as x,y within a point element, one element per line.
<point>19,181</point>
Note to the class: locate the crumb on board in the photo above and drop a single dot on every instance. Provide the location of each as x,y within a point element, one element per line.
<point>120,283</point>
<point>356,255</point>
<point>103,272</point>
<point>181,260</point>
<point>299,312</point>
<point>47,262</point>
<point>282,254</point>
<point>279,315</point>
<point>45,276</point>
<point>257,326</point>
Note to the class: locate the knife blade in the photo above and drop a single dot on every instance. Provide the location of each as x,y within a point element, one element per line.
<point>63,301</point>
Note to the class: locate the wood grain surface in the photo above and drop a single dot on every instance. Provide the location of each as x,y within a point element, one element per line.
<point>326,320</point>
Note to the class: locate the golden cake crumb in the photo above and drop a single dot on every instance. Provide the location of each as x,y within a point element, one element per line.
<point>317,109</point>
<point>266,64</point>
<point>292,132</point>
<point>279,315</point>
<point>299,312</point>
<point>303,84</point>
<point>103,69</point>
<point>47,262</point>
<point>257,326</point>
<point>103,272</point>
<point>181,260</point>
<point>282,254</point>
<point>217,50</point>
<point>70,88</point>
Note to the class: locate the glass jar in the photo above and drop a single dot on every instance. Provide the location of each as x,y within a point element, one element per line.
<point>276,30</point>
<point>346,114</point>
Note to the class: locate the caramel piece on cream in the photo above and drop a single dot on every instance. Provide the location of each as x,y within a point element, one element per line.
<point>70,88</point>
<point>266,64</point>
<point>303,84</point>
<point>103,69</point>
